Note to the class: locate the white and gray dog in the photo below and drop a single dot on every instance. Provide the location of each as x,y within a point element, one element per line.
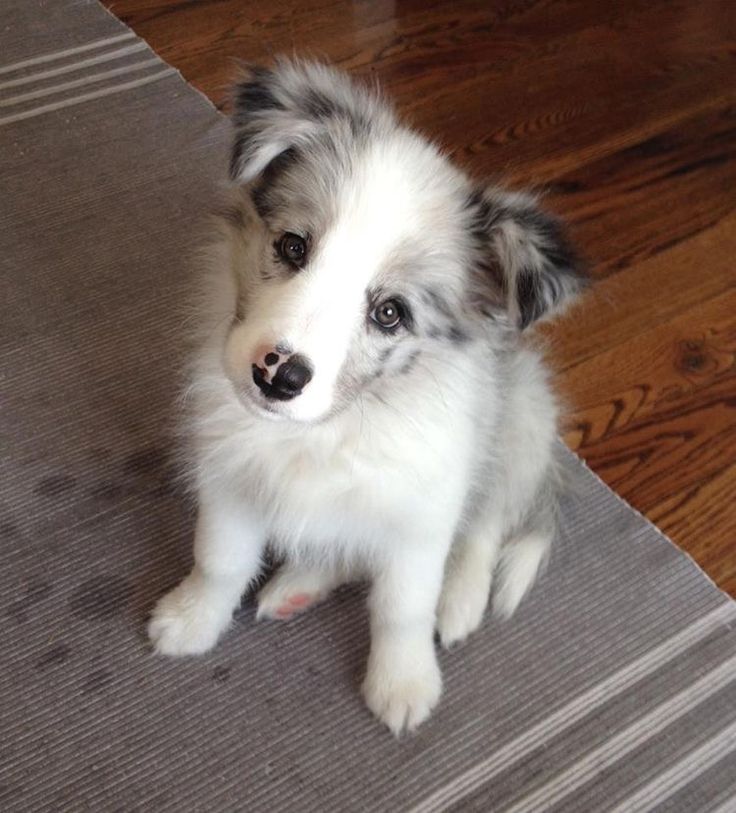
<point>363,402</point>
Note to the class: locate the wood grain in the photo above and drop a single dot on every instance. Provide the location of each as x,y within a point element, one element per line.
<point>625,114</point>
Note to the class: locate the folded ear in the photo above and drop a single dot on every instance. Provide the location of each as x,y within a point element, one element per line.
<point>527,259</point>
<point>266,124</point>
<point>287,107</point>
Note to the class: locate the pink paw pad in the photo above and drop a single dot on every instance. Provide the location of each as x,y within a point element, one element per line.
<point>295,603</point>
<point>299,600</point>
<point>283,613</point>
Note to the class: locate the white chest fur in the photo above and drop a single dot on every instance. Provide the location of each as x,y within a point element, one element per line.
<point>358,480</point>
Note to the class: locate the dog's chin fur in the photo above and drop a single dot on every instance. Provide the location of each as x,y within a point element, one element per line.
<point>421,458</point>
<point>262,408</point>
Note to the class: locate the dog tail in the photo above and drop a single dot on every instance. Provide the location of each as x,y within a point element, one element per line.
<point>520,561</point>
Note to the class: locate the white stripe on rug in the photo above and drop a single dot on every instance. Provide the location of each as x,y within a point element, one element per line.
<point>75,83</point>
<point>79,49</point>
<point>684,771</point>
<point>727,805</point>
<point>621,744</point>
<point>575,710</point>
<point>27,114</point>
<point>74,66</point>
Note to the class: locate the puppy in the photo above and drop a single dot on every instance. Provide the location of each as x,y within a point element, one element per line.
<point>362,399</point>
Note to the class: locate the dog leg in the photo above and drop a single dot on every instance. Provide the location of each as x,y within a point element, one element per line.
<point>520,561</point>
<point>467,584</point>
<point>403,681</point>
<point>227,554</point>
<point>295,588</point>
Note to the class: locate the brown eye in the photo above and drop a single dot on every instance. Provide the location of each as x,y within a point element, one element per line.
<point>293,249</point>
<point>388,314</point>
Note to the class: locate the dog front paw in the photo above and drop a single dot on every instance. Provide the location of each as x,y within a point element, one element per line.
<point>402,695</point>
<point>188,620</point>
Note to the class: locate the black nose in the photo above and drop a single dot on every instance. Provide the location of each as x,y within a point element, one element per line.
<point>291,377</point>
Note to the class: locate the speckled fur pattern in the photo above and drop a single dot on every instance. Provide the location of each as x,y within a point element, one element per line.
<point>420,458</point>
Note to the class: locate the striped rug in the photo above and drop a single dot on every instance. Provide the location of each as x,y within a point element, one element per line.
<point>614,689</point>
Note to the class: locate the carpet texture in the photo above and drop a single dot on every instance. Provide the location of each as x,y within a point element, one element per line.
<point>613,689</point>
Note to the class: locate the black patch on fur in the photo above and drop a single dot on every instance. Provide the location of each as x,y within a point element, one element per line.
<point>456,335</point>
<point>372,377</point>
<point>453,332</point>
<point>255,94</point>
<point>528,298</point>
<point>251,98</point>
<point>261,193</point>
<point>481,216</point>
<point>319,106</point>
<point>438,302</point>
<point>322,107</point>
<point>408,365</point>
<point>538,288</point>
<point>537,293</point>
<point>259,196</point>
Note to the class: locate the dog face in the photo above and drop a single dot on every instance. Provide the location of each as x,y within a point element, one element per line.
<point>364,250</point>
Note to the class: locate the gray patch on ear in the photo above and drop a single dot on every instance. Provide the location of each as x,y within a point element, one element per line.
<point>542,294</point>
<point>290,106</point>
<point>532,262</point>
<point>251,98</point>
<point>260,193</point>
<point>321,107</point>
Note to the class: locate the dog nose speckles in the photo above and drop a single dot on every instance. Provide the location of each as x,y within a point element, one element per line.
<point>289,378</point>
<point>267,359</point>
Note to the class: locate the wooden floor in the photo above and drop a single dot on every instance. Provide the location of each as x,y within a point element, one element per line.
<point>625,113</point>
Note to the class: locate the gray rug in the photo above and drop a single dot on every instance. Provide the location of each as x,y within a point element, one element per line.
<point>614,688</point>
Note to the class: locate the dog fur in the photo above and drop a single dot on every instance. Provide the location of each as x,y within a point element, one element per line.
<point>419,456</point>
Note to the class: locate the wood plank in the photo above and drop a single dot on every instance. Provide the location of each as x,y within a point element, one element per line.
<point>653,371</point>
<point>701,517</point>
<point>647,197</point>
<point>660,427</point>
<point>647,293</point>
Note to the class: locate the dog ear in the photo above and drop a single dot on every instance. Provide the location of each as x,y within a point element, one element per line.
<point>265,126</point>
<point>528,261</point>
<point>283,109</point>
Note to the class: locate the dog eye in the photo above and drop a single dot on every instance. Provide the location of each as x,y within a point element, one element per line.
<point>389,314</point>
<point>293,249</point>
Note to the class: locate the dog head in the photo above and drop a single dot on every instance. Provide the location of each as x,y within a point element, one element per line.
<point>358,248</point>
